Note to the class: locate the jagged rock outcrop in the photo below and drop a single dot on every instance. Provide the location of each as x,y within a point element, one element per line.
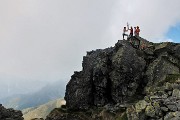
<point>125,82</point>
<point>10,114</point>
<point>111,75</point>
<point>161,103</point>
<point>167,61</point>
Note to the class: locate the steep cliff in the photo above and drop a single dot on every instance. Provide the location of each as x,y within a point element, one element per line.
<point>125,82</point>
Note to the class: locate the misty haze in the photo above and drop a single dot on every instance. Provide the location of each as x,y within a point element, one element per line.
<point>42,42</point>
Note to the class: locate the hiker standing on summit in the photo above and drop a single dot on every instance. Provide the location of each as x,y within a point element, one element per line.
<point>124,32</point>
<point>137,31</point>
<point>131,32</point>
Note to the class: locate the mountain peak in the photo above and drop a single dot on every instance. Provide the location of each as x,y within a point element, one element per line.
<point>122,75</point>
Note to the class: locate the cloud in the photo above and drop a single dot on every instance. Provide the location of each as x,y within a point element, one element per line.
<point>46,40</point>
<point>42,39</point>
<point>154,17</point>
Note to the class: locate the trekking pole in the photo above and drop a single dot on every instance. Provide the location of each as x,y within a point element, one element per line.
<point>128,25</point>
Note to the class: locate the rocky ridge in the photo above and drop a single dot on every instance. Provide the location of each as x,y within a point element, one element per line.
<point>10,114</point>
<point>125,83</point>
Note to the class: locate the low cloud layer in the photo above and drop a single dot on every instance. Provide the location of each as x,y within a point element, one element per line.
<point>46,40</point>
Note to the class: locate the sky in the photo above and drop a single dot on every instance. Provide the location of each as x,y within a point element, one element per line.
<point>174,33</point>
<point>45,40</point>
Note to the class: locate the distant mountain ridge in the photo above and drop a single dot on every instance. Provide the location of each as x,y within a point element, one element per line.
<point>44,95</point>
<point>11,85</point>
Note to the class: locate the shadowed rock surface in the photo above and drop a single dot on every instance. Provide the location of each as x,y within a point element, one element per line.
<point>109,76</point>
<point>125,83</point>
<point>10,114</point>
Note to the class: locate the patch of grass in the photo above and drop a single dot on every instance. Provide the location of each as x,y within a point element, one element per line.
<point>122,117</point>
<point>171,78</point>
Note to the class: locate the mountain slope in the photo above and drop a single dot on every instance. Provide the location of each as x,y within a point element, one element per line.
<point>11,85</point>
<point>43,110</point>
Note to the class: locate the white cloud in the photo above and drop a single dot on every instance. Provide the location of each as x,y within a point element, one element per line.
<point>46,40</point>
<point>153,16</point>
<point>164,40</point>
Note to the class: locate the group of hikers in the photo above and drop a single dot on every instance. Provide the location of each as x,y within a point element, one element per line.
<point>133,37</point>
<point>136,31</point>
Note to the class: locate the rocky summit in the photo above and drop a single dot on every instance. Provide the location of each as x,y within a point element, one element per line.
<point>10,114</point>
<point>125,82</point>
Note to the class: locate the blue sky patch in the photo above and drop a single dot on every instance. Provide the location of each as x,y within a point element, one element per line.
<point>174,33</point>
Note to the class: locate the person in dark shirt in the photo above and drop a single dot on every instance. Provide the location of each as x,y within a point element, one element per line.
<point>131,32</point>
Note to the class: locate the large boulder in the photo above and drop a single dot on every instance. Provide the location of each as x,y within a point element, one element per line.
<point>89,86</point>
<point>127,70</point>
<point>166,62</point>
<point>111,75</point>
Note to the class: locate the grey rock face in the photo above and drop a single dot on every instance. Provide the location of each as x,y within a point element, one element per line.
<point>10,114</point>
<point>113,75</point>
<point>177,51</point>
<point>126,74</point>
<point>159,69</point>
<point>165,63</point>
<point>109,75</point>
<point>119,77</point>
<point>90,86</point>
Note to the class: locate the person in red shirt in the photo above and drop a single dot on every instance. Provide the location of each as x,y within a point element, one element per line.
<point>137,31</point>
